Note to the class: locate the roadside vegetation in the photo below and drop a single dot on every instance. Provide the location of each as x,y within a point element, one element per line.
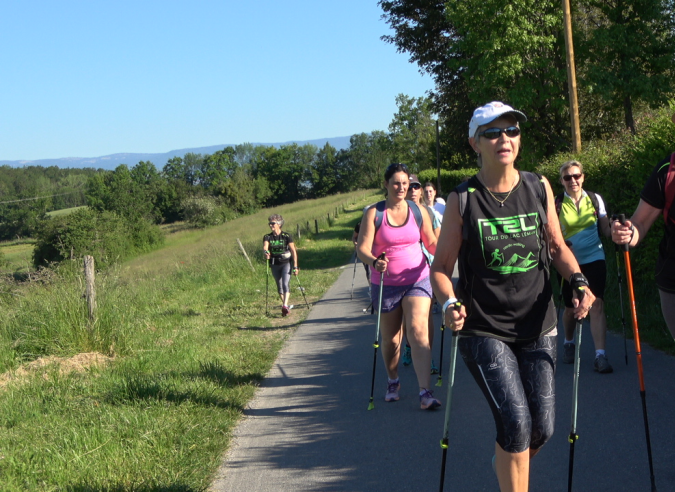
<point>147,396</point>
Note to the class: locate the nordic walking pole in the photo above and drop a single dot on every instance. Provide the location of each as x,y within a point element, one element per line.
<point>351,296</point>
<point>302,290</point>
<point>623,319</point>
<point>267,286</point>
<point>638,352</point>
<point>575,394</point>
<point>448,401</point>
<point>560,299</point>
<point>376,344</point>
<point>439,381</point>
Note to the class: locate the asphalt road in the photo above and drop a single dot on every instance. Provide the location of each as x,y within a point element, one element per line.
<point>308,428</point>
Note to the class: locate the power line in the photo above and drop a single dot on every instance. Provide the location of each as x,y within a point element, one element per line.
<point>38,197</point>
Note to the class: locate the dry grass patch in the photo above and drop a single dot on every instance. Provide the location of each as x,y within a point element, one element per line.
<point>45,365</point>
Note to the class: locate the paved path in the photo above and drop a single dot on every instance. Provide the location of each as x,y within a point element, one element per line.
<point>308,429</point>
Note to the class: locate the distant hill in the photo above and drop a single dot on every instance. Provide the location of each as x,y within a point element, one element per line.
<point>159,160</point>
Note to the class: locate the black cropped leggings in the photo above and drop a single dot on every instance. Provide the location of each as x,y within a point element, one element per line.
<point>282,277</point>
<point>518,383</point>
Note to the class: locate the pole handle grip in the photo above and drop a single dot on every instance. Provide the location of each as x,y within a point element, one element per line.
<point>622,220</point>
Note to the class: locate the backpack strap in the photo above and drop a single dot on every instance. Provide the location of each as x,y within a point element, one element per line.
<point>670,188</point>
<point>558,203</point>
<point>594,201</point>
<point>463,190</point>
<point>379,214</point>
<point>537,185</point>
<point>417,213</point>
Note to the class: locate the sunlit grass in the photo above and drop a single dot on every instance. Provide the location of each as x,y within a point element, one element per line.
<point>17,255</point>
<point>64,211</point>
<point>190,342</point>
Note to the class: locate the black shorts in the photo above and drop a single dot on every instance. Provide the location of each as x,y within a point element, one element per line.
<point>596,274</point>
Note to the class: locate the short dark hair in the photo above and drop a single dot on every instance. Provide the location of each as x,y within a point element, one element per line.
<point>395,167</point>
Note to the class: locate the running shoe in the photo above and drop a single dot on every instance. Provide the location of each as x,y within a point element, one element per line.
<point>284,310</point>
<point>407,356</point>
<point>602,365</point>
<point>393,388</point>
<point>434,369</point>
<point>568,353</point>
<point>427,400</point>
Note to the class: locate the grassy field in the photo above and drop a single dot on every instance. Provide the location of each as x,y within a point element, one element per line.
<point>18,256</point>
<point>64,211</point>
<point>161,378</point>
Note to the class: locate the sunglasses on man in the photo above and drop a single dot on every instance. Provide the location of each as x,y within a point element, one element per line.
<point>569,177</point>
<point>495,133</point>
<point>415,186</point>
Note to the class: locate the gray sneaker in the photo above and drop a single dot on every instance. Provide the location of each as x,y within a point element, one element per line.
<point>568,353</point>
<point>602,365</point>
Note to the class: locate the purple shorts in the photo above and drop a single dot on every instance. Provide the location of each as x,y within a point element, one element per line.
<point>392,295</point>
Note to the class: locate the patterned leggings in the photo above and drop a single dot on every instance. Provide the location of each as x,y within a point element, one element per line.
<point>517,381</point>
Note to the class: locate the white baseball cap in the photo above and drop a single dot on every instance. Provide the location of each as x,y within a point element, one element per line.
<point>490,112</point>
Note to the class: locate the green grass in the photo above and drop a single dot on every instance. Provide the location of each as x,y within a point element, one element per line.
<point>64,211</point>
<point>18,256</point>
<point>190,342</point>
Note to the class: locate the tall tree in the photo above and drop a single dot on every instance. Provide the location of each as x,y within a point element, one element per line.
<point>629,51</point>
<point>421,29</point>
<point>413,132</point>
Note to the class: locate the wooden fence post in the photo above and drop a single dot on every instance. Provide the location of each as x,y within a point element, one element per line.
<point>297,231</point>
<point>241,246</point>
<point>316,225</point>
<point>90,292</point>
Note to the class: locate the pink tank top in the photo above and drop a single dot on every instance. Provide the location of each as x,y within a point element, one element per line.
<point>407,264</point>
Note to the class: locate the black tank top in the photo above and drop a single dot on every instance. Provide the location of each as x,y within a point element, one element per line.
<point>504,276</point>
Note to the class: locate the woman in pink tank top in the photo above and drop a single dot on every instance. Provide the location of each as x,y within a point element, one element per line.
<point>406,287</point>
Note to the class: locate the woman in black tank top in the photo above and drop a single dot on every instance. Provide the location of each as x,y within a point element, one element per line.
<point>504,239</point>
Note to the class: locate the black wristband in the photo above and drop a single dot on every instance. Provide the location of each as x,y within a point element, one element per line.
<point>375,262</point>
<point>578,280</point>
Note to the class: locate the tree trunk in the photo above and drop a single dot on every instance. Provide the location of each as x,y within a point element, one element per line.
<point>628,110</point>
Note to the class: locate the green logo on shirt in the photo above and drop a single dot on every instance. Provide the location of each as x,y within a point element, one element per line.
<point>510,244</point>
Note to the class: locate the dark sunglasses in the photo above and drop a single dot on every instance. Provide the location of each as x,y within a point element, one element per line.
<point>570,176</point>
<point>273,223</point>
<point>495,133</point>
<point>415,186</point>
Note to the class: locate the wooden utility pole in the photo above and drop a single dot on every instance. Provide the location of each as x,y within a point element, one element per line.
<point>438,163</point>
<point>90,287</point>
<point>571,78</point>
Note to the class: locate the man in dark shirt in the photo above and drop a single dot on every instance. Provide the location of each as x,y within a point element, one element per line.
<point>652,203</point>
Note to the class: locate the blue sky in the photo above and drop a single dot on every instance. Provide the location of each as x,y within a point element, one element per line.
<point>90,78</point>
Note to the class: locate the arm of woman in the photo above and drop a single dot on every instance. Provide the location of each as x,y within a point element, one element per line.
<point>428,235</point>
<point>563,258</point>
<point>635,229</point>
<point>294,254</point>
<point>266,249</point>
<point>364,245</point>
<point>447,252</point>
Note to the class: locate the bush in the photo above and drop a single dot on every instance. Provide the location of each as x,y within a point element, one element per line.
<point>449,179</point>
<point>201,211</point>
<point>106,236</point>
